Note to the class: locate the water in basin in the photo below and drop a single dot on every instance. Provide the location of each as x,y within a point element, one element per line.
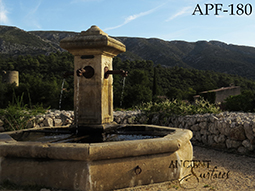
<point>61,135</point>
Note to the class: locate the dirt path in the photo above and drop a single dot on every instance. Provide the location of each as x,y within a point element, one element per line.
<point>234,172</point>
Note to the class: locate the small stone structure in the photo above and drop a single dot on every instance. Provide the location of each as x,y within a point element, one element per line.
<point>11,77</point>
<point>222,93</point>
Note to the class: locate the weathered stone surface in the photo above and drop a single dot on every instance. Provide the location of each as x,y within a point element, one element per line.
<point>204,139</point>
<point>131,120</point>
<point>237,133</point>
<point>219,138</point>
<point>57,122</point>
<point>248,131</point>
<point>1,123</point>
<point>197,136</point>
<point>48,122</point>
<point>213,118</point>
<point>31,124</point>
<point>220,127</point>
<point>213,129</point>
<point>96,100</point>
<point>64,117</point>
<point>204,132</point>
<point>242,150</point>
<point>107,166</point>
<point>211,139</point>
<point>232,143</point>
<point>247,144</point>
<point>195,127</point>
<point>117,119</point>
<point>203,125</point>
<point>40,119</point>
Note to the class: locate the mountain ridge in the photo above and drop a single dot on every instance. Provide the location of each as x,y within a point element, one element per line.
<point>203,55</point>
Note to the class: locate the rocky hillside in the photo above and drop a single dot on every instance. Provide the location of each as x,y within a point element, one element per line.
<point>203,55</point>
<point>14,41</point>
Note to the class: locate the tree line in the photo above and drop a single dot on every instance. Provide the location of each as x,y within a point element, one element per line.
<point>41,78</point>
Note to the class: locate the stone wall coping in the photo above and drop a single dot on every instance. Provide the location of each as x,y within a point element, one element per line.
<point>94,151</point>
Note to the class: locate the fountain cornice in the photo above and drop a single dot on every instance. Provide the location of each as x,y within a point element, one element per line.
<point>93,41</point>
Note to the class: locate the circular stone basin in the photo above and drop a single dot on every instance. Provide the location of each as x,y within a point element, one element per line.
<point>66,135</point>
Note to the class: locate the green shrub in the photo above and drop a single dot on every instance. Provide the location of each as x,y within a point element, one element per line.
<point>177,107</point>
<point>17,115</point>
<point>243,102</point>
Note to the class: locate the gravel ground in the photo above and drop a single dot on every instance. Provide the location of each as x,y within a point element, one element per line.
<point>239,173</point>
<point>234,172</point>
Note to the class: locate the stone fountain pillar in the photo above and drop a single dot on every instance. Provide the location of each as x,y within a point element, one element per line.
<point>93,51</point>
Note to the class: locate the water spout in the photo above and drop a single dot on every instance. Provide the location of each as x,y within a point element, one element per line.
<point>123,86</point>
<point>108,72</point>
<point>80,72</point>
<point>61,93</point>
<point>87,72</point>
<point>77,104</point>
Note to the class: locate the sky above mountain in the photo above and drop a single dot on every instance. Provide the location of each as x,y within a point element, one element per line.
<point>229,21</point>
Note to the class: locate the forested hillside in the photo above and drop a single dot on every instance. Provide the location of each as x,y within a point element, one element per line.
<point>174,69</point>
<point>41,78</point>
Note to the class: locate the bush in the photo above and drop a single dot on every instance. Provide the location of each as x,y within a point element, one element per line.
<point>243,102</point>
<point>17,115</point>
<point>177,107</point>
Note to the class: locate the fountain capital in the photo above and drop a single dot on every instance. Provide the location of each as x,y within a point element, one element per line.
<point>93,30</point>
<point>93,42</point>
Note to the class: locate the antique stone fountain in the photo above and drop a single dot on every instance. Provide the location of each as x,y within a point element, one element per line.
<point>27,158</point>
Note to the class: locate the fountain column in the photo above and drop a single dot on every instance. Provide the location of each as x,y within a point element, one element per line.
<point>93,51</point>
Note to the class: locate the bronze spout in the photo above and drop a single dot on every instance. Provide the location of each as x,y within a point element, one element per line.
<point>80,72</point>
<point>87,72</point>
<point>108,72</point>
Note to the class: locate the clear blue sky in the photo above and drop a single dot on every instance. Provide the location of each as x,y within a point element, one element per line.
<point>164,19</point>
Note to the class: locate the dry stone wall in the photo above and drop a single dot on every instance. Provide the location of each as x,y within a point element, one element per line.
<point>228,130</point>
<point>233,131</point>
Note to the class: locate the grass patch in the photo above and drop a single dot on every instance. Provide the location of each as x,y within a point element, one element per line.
<point>17,115</point>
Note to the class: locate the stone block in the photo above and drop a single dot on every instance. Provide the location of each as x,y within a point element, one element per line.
<point>204,139</point>
<point>48,122</point>
<point>247,144</point>
<point>203,125</point>
<point>1,123</point>
<point>211,139</point>
<point>232,143</point>
<point>242,150</point>
<point>219,138</point>
<point>195,127</point>
<point>204,132</point>
<point>31,124</point>
<point>212,118</point>
<point>57,122</point>
<point>213,129</point>
<point>237,133</point>
<point>117,119</point>
<point>197,135</point>
<point>248,131</point>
